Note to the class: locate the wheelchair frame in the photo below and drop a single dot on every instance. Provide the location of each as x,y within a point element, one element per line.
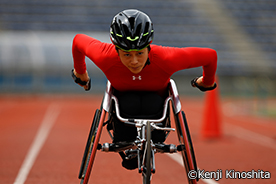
<point>143,145</point>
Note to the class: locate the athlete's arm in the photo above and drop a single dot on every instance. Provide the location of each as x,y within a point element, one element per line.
<point>79,47</point>
<point>85,46</point>
<point>97,51</point>
<point>190,57</point>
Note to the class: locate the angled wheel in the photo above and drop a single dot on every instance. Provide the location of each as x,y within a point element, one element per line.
<point>91,146</point>
<point>90,142</point>
<point>148,157</point>
<point>190,141</point>
<point>186,145</point>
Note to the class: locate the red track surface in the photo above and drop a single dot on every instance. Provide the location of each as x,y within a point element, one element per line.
<point>248,142</point>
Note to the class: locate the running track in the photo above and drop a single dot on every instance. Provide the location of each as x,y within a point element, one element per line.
<point>42,139</point>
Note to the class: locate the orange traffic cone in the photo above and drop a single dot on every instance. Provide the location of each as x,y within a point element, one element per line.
<point>211,127</point>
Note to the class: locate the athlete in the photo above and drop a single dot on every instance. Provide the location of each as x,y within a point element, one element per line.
<point>138,70</point>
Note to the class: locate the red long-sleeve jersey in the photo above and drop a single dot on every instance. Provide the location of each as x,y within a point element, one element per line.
<point>164,61</point>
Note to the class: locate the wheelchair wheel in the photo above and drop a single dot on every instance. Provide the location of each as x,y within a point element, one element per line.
<point>91,146</point>
<point>190,141</point>
<point>186,147</point>
<point>148,157</point>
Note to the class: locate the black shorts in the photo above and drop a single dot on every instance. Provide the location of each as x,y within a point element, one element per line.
<point>139,105</point>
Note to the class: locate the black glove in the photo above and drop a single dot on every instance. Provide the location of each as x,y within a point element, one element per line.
<point>79,81</point>
<point>193,83</point>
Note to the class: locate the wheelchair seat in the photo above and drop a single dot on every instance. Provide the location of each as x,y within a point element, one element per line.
<point>137,105</point>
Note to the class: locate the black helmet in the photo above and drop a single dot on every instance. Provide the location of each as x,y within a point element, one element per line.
<point>131,30</point>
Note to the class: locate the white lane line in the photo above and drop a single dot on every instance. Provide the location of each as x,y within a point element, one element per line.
<point>40,138</point>
<point>253,137</point>
<point>178,158</point>
<point>247,135</point>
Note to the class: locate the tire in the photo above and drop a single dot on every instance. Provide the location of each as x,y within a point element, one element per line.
<point>187,150</point>
<point>148,159</point>
<point>190,141</point>
<point>89,145</point>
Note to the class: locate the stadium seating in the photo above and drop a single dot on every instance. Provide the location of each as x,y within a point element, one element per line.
<point>177,23</point>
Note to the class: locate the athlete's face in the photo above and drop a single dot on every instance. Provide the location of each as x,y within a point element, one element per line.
<point>134,60</point>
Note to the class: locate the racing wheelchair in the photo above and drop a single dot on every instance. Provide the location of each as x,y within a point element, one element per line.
<point>143,147</point>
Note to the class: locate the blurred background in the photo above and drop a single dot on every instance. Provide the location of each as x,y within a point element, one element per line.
<point>36,61</point>
<point>36,38</point>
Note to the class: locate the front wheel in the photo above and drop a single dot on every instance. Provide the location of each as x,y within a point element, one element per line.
<point>148,157</point>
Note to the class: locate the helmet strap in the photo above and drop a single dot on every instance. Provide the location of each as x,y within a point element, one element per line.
<point>147,63</point>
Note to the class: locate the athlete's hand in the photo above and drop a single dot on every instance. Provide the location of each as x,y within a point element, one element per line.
<point>82,79</point>
<point>198,82</point>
